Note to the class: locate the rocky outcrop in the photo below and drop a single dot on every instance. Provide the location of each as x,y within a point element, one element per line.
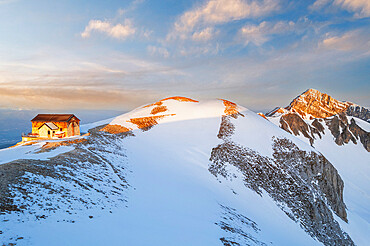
<point>227,128</point>
<point>231,109</point>
<point>294,124</point>
<point>342,131</point>
<point>304,184</point>
<point>338,126</point>
<point>318,126</point>
<point>361,134</point>
<point>359,112</point>
<point>239,228</point>
<point>313,168</point>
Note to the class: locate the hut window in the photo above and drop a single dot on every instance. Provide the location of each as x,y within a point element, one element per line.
<point>48,132</point>
<point>61,129</point>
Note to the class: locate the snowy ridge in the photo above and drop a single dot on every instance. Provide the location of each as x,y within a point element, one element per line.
<point>211,109</point>
<point>174,110</point>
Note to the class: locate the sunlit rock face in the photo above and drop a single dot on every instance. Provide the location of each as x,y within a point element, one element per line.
<point>314,104</point>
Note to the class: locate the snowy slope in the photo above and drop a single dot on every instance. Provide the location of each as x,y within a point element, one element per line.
<point>352,162</point>
<point>31,152</point>
<point>159,180</point>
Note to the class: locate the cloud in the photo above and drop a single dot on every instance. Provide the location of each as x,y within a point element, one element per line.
<point>197,31</point>
<point>146,34</point>
<point>71,97</point>
<point>118,31</point>
<point>132,7</point>
<point>154,50</point>
<point>361,8</point>
<point>319,4</point>
<point>259,34</point>
<point>197,51</point>
<point>204,35</point>
<point>51,78</point>
<point>357,40</point>
<point>216,12</point>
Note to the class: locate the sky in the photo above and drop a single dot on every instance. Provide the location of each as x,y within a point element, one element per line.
<point>119,55</point>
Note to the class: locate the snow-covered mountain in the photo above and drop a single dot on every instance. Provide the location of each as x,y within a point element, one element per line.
<point>341,132</point>
<point>183,172</point>
<point>313,104</point>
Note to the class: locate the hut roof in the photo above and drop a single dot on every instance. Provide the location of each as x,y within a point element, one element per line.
<point>55,117</point>
<point>51,125</point>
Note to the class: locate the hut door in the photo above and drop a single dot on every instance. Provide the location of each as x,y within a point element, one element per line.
<point>73,128</point>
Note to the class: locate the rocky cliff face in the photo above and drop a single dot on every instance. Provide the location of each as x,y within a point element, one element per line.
<point>342,130</point>
<point>361,134</point>
<point>294,124</point>
<point>359,112</point>
<point>304,184</point>
<point>339,128</point>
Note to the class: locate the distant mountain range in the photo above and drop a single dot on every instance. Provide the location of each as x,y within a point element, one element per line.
<point>186,172</point>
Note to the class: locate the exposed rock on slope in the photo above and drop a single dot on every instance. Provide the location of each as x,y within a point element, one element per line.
<point>294,124</point>
<point>68,181</point>
<point>361,134</point>
<point>359,112</point>
<point>302,183</point>
<point>238,227</point>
